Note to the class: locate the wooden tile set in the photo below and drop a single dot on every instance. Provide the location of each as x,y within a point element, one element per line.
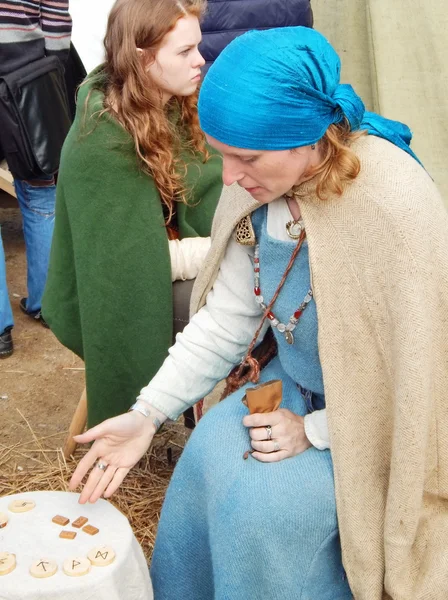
<point>78,523</point>
<point>74,567</point>
<point>101,556</point>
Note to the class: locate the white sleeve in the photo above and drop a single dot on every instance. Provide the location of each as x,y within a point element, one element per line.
<point>316,429</point>
<point>214,341</point>
<point>187,257</point>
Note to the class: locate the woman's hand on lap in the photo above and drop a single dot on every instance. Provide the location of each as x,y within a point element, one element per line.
<point>119,443</point>
<point>287,431</point>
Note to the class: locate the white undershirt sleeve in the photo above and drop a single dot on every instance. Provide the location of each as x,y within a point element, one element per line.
<point>316,429</point>
<point>214,341</point>
<point>187,257</point>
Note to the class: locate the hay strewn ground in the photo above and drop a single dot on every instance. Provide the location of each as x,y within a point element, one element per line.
<point>35,465</point>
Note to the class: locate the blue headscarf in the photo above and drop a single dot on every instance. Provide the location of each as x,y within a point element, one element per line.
<point>279,89</point>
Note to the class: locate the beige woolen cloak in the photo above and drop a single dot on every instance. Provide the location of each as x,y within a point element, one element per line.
<point>379,268</point>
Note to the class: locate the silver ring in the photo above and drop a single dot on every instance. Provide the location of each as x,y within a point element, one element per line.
<point>269,431</point>
<point>101,466</point>
<point>276,446</point>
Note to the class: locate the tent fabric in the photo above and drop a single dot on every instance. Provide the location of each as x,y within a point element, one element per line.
<point>395,54</point>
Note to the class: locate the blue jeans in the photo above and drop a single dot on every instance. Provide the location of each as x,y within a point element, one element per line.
<point>37,203</point>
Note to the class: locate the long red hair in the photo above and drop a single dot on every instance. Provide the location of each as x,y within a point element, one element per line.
<point>134,100</point>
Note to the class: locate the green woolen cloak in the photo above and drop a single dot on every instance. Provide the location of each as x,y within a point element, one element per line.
<point>108,296</point>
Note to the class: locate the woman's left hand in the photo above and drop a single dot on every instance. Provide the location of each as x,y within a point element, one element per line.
<point>287,435</point>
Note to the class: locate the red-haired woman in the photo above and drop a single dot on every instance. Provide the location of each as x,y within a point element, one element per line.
<point>135,172</point>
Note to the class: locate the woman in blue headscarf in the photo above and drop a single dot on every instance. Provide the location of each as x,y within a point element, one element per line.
<point>332,235</point>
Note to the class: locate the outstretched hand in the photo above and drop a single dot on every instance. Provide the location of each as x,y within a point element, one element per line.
<point>119,443</point>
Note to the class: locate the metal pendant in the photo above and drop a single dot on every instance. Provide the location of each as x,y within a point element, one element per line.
<point>289,337</point>
<point>294,229</point>
<point>244,232</point>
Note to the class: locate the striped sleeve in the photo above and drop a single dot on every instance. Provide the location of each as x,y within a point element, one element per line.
<point>56,25</point>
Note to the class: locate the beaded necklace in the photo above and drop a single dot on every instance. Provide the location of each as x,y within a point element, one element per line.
<point>288,328</point>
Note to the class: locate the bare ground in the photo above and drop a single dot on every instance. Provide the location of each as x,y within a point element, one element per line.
<point>42,381</point>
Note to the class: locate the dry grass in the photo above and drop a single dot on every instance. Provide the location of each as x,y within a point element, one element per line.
<point>140,497</point>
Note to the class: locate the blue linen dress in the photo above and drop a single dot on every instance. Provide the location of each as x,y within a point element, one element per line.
<point>244,530</point>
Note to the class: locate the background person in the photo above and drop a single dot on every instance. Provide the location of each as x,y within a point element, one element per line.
<point>225,20</point>
<point>135,171</point>
<point>30,31</point>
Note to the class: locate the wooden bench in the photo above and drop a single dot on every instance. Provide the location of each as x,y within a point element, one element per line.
<point>6,180</point>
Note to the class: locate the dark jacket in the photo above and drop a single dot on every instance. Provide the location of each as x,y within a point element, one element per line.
<point>227,19</point>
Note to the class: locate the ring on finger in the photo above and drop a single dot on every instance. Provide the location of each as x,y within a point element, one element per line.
<point>102,466</point>
<point>276,446</point>
<point>269,431</point>
<point>103,483</point>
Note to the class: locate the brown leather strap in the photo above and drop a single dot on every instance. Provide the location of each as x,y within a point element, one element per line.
<point>250,368</point>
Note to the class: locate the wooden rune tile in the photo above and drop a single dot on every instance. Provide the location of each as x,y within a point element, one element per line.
<point>101,556</point>
<point>77,567</point>
<point>67,535</point>
<point>90,529</point>
<point>43,568</point>
<point>80,521</point>
<point>7,563</point>
<point>20,505</point>
<point>3,520</point>
<point>59,520</point>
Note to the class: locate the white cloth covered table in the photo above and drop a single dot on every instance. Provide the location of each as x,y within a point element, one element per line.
<point>32,535</point>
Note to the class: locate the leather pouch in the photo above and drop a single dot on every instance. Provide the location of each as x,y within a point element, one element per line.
<point>264,398</point>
